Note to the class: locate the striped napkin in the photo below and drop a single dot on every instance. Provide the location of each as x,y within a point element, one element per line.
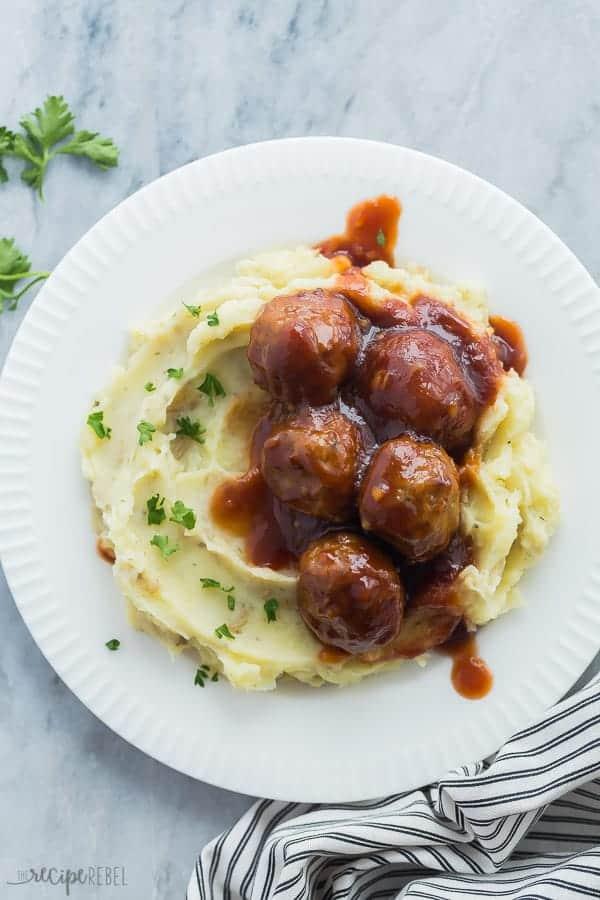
<point>526,825</point>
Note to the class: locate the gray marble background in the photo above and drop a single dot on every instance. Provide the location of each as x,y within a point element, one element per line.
<point>508,90</point>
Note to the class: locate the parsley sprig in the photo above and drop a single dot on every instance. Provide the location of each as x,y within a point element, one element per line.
<point>156,512</point>
<point>14,267</point>
<point>113,644</point>
<point>212,319</point>
<point>96,423</point>
<point>182,515</point>
<point>43,136</point>
<point>145,432</point>
<point>161,542</point>
<point>271,606</point>
<point>212,387</point>
<point>223,631</point>
<point>193,310</point>
<point>187,427</point>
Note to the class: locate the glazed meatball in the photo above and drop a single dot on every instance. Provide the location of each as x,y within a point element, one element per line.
<point>349,593</point>
<point>410,497</point>
<point>303,346</point>
<point>310,461</point>
<point>411,380</point>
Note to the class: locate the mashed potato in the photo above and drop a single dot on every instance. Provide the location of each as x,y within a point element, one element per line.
<point>509,507</point>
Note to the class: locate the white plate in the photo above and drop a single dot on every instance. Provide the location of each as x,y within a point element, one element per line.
<point>391,732</point>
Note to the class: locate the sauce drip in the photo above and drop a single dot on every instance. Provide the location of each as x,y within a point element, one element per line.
<point>471,677</point>
<point>510,344</point>
<point>371,232</point>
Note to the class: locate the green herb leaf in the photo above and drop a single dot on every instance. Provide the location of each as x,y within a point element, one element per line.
<point>223,631</point>
<point>161,542</point>
<point>145,431</point>
<point>199,677</point>
<point>100,150</point>
<point>212,319</point>
<point>43,130</point>
<point>156,513</point>
<point>182,514</point>
<point>231,602</point>
<point>113,644</point>
<point>380,238</point>
<point>212,387</point>
<point>215,677</point>
<point>7,142</point>
<point>210,583</point>
<point>14,267</point>
<point>95,421</point>
<point>271,607</point>
<point>149,386</point>
<point>193,310</point>
<point>192,429</point>
<point>175,373</point>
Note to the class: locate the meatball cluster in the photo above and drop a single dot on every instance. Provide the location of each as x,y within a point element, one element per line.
<point>364,421</point>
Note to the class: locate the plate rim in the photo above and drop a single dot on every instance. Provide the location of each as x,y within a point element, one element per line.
<point>19,378</point>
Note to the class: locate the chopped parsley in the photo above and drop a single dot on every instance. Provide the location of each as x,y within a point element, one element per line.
<point>182,514</point>
<point>113,644</point>
<point>231,602</point>
<point>145,430</point>
<point>203,675</point>
<point>212,319</point>
<point>215,676</point>
<point>199,677</point>
<point>212,387</point>
<point>380,238</point>
<point>271,607</point>
<point>213,583</point>
<point>149,386</point>
<point>223,631</point>
<point>95,421</point>
<point>210,583</point>
<point>161,541</point>
<point>175,373</point>
<point>186,427</point>
<point>193,310</point>
<point>156,513</point>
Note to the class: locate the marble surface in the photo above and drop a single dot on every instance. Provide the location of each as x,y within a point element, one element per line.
<point>506,90</point>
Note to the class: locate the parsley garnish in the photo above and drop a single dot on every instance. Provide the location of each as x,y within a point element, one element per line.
<point>215,676</point>
<point>212,387</point>
<point>199,677</point>
<point>149,386</point>
<point>95,422</point>
<point>380,238</point>
<point>223,631</point>
<point>192,429</point>
<point>14,267</point>
<point>43,130</point>
<point>182,514</point>
<point>156,513</point>
<point>213,583</point>
<point>146,430</point>
<point>161,541</point>
<point>271,607</point>
<point>175,373</point>
<point>113,644</point>
<point>212,319</point>
<point>231,602</point>
<point>193,310</point>
<point>210,583</point>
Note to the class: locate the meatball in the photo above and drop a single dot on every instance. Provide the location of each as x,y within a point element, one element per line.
<point>411,379</point>
<point>303,346</point>
<point>310,461</point>
<point>349,593</point>
<point>428,623</point>
<point>410,497</point>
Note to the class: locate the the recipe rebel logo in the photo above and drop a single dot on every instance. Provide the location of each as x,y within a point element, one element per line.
<point>67,878</point>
